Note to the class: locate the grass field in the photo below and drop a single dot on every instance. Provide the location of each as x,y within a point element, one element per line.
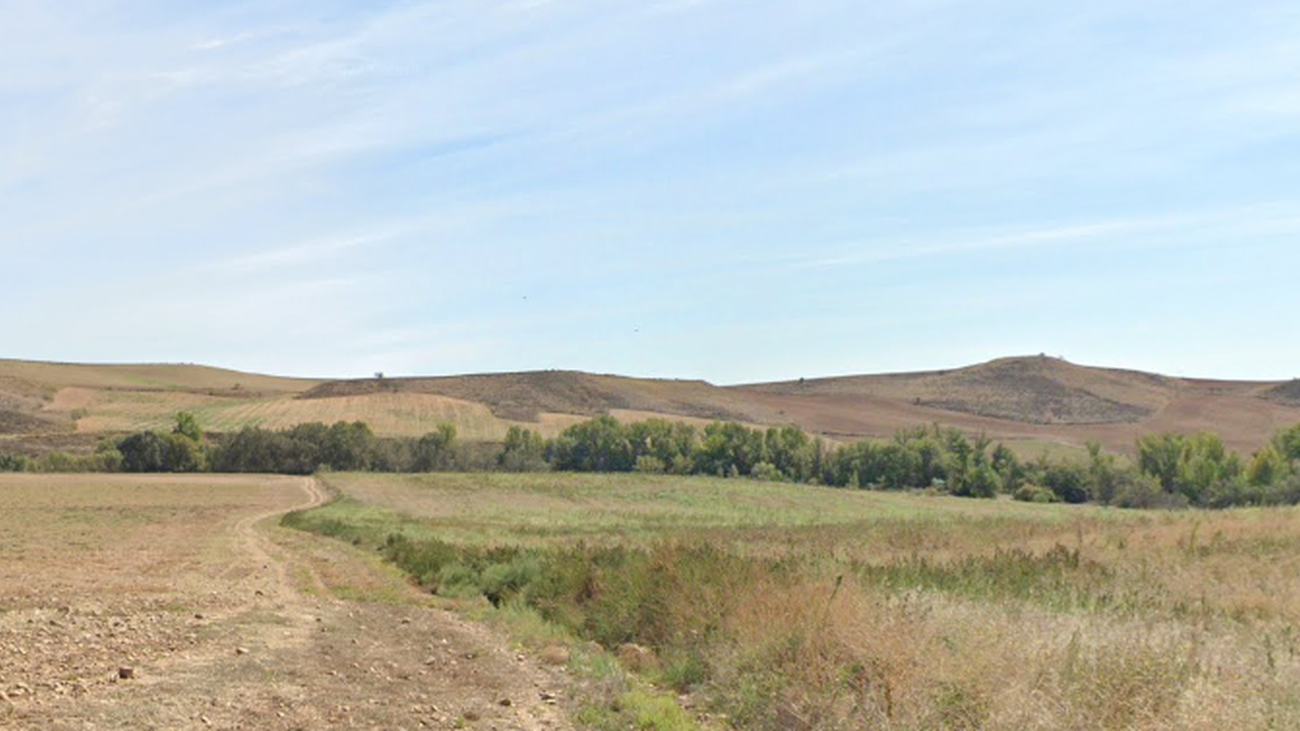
<point>795,607</point>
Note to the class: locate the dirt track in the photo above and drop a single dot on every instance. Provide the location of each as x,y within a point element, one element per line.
<point>230,623</point>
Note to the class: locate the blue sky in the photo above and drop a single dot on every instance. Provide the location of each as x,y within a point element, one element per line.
<point>734,191</point>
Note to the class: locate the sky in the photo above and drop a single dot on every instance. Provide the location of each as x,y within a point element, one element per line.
<point>734,191</point>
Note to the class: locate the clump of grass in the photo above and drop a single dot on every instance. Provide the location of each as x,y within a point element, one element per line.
<point>1059,577</point>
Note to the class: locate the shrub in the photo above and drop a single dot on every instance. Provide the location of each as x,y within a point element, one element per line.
<point>16,463</point>
<point>503,581</point>
<point>767,472</point>
<point>1147,493</point>
<point>649,465</point>
<point>1068,481</point>
<point>1031,493</point>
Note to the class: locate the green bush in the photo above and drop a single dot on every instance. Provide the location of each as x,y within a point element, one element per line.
<point>1031,493</point>
<point>16,463</point>
<point>504,581</point>
<point>649,465</point>
<point>767,472</point>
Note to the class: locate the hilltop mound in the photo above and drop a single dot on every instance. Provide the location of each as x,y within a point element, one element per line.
<point>526,396</point>
<point>1287,394</point>
<point>1036,390</point>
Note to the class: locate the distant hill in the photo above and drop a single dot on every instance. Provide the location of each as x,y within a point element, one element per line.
<point>526,396</point>
<point>1033,402</point>
<point>1287,393</point>
<point>1025,390</point>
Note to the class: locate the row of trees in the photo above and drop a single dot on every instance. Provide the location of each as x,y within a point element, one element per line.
<point>298,450</point>
<point>1168,470</point>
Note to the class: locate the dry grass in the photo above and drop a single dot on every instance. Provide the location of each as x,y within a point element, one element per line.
<point>160,376</point>
<point>389,414</point>
<point>898,611</point>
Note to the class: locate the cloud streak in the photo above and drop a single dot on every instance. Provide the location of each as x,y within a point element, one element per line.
<point>418,168</point>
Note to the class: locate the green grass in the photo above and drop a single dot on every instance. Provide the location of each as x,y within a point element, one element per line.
<point>537,509</point>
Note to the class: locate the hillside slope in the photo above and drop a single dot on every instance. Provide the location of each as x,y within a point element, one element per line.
<point>1025,390</point>
<point>1026,401</point>
<point>526,396</point>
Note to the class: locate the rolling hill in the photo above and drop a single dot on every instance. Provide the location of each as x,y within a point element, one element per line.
<point>1032,402</point>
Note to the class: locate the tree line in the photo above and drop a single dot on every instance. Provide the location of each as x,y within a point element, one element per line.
<point>1169,470</point>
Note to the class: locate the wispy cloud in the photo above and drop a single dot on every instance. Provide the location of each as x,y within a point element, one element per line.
<point>393,165</point>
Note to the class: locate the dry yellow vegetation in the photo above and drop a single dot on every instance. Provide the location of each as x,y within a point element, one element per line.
<point>812,608</point>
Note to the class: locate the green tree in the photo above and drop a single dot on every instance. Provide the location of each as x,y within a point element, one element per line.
<point>982,481</point>
<point>524,451</point>
<point>1287,443</point>
<point>729,448</point>
<point>187,425</point>
<point>143,452</point>
<point>1161,456</point>
<point>791,451</point>
<point>1206,463</point>
<point>1267,467</point>
<point>182,454</point>
<point>348,446</point>
<point>436,451</point>
<point>1008,467</point>
<point>1104,477</point>
<point>597,445</point>
<point>1068,480</point>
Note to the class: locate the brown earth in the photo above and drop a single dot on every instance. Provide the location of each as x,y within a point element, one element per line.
<point>1287,393</point>
<point>525,396</point>
<point>224,620</point>
<point>1033,401</point>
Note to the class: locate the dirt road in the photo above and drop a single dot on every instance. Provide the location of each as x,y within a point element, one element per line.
<point>225,620</point>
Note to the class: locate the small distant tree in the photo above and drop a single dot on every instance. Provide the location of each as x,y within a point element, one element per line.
<point>349,446</point>
<point>187,425</point>
<point>436,451</point>
<point>1160,456</point>
<point>982,481</point>
<point>182,454</point>
<point>524,451</point>
<point>1069,481</point>
<point>1287,443</point>
<point>1267,467</point>
<point>143,452</point>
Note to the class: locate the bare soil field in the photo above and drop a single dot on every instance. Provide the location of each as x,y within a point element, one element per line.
<point>222,619</point>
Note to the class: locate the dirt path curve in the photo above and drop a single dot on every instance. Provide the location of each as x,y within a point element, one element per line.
<point>275,629</point>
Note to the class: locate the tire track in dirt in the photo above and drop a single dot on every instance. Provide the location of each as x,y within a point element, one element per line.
<point>280,654</point>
